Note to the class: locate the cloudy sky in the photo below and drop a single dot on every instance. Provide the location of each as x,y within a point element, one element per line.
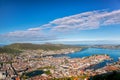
<point>59,21</point>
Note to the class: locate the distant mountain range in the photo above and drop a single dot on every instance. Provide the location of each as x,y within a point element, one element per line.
<point>93,42</point>
<point>2,45</point>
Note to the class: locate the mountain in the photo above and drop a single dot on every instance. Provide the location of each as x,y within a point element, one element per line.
<point>48,46</point>
<point>1,45</point>
<point>107,46</point>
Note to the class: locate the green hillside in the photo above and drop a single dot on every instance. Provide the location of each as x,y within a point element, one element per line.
<point>9,50</point>
<point>31,46</point>
<point>19,47</point>
<point>108,76</point>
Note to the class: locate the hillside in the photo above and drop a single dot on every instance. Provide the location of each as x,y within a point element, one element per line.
<point>31,46</point>
<point>9,50</point>
<point>108,76</point>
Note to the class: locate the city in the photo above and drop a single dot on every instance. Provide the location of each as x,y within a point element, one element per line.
<point>41,64</point>
<point>59,39</point>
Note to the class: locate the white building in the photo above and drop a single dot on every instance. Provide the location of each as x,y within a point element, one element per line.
<point>2,75</point>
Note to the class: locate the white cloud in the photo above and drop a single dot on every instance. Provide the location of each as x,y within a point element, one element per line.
<point>83,21</point>
<point>86,21</point>
<point>34,29</point>
<point>28,35</point>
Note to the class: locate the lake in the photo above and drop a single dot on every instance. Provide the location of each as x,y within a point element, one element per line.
<point>34,73</point>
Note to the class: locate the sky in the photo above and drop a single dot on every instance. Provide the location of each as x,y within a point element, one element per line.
<point>59,21</point>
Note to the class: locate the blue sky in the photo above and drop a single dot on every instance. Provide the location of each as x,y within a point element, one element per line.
<point>59,21</point>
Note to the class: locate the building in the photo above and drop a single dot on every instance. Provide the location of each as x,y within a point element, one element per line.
<point>2,75</point>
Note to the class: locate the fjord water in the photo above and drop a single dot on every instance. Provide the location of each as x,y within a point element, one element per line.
<point>92,51</point>
<point>115,54</point>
